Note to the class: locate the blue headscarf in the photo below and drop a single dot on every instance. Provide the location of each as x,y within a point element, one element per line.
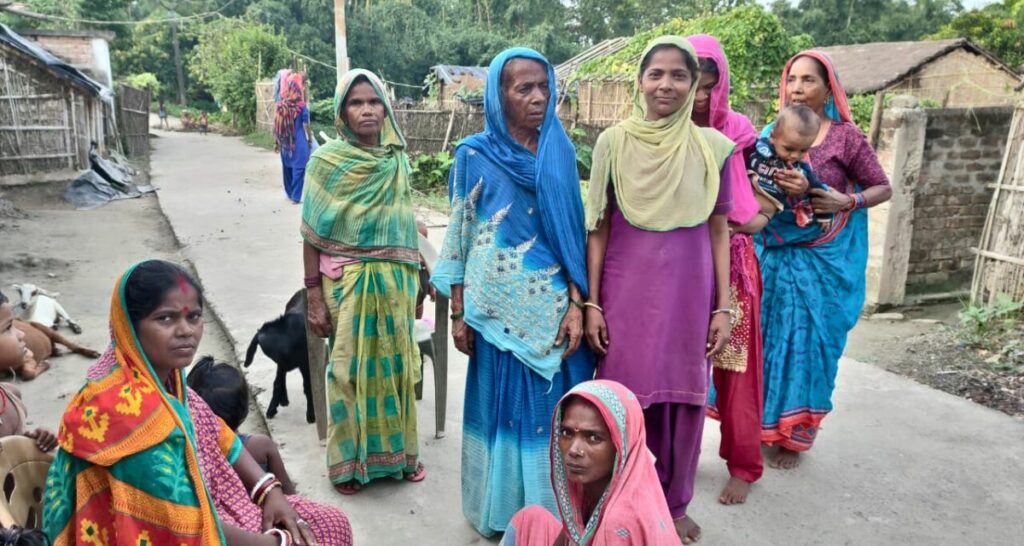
<point>551,173</point>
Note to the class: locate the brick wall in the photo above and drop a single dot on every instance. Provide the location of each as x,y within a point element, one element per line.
<point>963,151</point>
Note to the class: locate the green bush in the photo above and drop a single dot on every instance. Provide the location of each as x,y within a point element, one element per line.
<point>584,151</point>
<point>754,40</point>
<point>430,172</point>
<point>230,56</point>
<point>145,81</point>
<point>322,111</point>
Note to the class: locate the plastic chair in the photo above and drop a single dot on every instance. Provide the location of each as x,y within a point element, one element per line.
<point>23,471</point>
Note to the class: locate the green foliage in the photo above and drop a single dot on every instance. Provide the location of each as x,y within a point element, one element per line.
<point>322,111</point>
<point>754,40</point>
<point>228,59</point>
<point>981,321</point>
<point>831,22</point>
<point>145,80</point>
<point>995,330</point>
<point>430,172</point>
<point>862,106</point>
<point>597,20</point>
<point>584,151</point>
<point>997,27</point>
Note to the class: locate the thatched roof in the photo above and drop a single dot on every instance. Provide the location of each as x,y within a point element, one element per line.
<point>867,68</point>
<point>602,49</point>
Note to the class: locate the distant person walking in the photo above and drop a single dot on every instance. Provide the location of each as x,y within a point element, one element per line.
<point>292,135</point>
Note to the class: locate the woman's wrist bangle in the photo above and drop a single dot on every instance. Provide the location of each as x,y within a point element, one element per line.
<point>283,535</point>
<point>312,281</point>
<point>457,316</point>
<point>259,485</point>
<point>274,484</point>
<point>765,214</point>
<point>593,305</point>
<point>725,310</point>
<point>579,304</point>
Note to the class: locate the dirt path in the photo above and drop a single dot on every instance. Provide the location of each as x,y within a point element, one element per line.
<point>80,254</point>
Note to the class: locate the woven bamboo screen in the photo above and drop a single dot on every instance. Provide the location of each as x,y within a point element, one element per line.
<point>999,266</point>
<point>265,106</point>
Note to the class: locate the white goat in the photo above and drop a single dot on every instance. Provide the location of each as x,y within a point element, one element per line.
<point>41,306</point>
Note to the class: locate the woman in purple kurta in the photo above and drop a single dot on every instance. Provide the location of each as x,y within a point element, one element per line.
<point>658,258</point>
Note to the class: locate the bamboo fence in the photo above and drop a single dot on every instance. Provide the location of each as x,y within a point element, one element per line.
<point>134,117</point>
<point>999,258</point>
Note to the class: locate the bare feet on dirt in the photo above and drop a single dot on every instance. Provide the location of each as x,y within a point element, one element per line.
<point>785,459</point>
<point>735,491</point>
<point>687,529</point>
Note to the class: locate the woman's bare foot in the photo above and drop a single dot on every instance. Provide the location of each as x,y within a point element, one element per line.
<point>785,459</point>
<point>687,529</point>
<point>735,492</point>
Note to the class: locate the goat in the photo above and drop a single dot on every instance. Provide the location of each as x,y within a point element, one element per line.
<point>41,342</point>
<point>41,306</point>
<point>283,340</point>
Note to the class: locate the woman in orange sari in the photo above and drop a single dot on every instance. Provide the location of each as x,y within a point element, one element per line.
<point>143,460</point>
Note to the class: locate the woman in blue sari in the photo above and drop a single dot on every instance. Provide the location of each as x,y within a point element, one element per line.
<point>513,265</point>
<point>814,279</point>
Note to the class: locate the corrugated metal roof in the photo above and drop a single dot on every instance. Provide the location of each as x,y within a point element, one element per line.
<point>449,73</point>
<point>602,49</point>
<point>867,68</point>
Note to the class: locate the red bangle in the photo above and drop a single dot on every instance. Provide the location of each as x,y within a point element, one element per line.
<point>313,282</point>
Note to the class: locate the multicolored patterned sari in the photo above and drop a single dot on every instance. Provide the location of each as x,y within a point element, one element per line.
<point>632,510</point>
<point>127,470</point>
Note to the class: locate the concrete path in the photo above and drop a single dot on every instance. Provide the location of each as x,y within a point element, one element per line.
<point>897,463</point>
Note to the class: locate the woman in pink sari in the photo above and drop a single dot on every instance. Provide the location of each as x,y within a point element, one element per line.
<point>735,397</point>
<point>605,483</point>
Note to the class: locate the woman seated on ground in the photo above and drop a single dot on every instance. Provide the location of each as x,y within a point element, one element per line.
<point>603,475</point>
<point>143,460</point>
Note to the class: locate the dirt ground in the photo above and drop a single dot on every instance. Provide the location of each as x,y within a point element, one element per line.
<point>939,355</point>
<point>80,255</point>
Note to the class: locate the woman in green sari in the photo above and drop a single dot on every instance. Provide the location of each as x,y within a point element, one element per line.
<point>361,260</point>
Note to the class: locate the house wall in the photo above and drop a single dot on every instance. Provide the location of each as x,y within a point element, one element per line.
<point>963,152</point>
<point>961,79</point>
<point>90,54</point>
<point>46,124</point>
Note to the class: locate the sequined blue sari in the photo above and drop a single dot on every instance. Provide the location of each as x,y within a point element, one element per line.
<point>515,240</point>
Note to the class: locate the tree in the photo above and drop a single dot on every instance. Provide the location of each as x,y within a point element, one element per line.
<point>230,56</point>
<point>831,22</point>
<point>596,20</point>
<point>996,27</point>
<point>754,40</point>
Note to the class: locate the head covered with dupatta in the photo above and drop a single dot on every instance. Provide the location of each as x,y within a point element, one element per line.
<point>837,108</point>
<point>289,108</point>
<point>665,173</point>
<point>551,172</point>
<point>632,510</point>
<point>357,201</point>
<point>128,467</point>
<point>735,126</point>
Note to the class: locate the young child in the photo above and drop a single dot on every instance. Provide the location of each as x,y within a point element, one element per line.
<point>784,148</point>
<point>12,410</point>
<point>224,389</point>
<point>204,123</point>
<point>162,113</point>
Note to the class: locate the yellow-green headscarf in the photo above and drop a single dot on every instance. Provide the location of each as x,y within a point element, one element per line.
<point>665,173</point>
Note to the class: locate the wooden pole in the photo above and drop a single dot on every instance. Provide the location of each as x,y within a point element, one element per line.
<point>876,119</point>
<point>316,351</point>
<point>448,133</point>
<point>68,133</point>
<point>340,40</point>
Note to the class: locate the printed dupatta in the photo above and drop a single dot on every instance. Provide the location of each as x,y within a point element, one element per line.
<point>632,510</point>
<point>127,470</point>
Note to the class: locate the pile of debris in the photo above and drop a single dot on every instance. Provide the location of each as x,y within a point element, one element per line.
<point>107,180</point>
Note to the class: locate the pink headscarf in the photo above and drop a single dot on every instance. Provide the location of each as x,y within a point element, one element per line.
<point>733,125</point>
<point>836,108</point>
<point>633,510</point>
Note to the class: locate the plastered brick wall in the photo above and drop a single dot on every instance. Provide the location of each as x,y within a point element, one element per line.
<point>963,151</point>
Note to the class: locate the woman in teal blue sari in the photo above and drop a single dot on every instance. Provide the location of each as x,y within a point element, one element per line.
<point>814,280</point>
<point>513,264</point>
